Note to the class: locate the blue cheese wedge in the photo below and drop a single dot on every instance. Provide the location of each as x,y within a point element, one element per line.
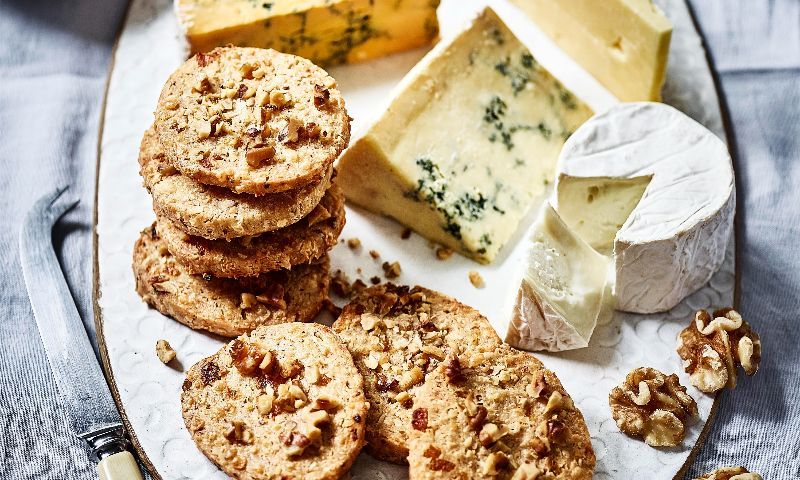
<point>468,142</point>
<point>565,291</point>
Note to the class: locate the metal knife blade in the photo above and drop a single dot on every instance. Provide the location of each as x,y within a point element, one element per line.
<point>86,397</point>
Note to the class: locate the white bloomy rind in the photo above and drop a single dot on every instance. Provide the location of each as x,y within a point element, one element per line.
<point>564,292</point>
<point>675,237</point>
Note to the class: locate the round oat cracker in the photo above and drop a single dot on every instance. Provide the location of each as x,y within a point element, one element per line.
<point>497,414</point>
<point>397,335</point>
<point>224,306</point>
<point>214,212</point>
<point>297,244</point>
<point>253,120</point>
<point>284,401</point>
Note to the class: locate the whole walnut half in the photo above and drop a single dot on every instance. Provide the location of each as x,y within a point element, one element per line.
<point>730,473</point>
<point>652,406</point>
<point>712,347</point>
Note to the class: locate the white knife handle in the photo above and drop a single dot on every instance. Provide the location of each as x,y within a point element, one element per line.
<point>120,466</point>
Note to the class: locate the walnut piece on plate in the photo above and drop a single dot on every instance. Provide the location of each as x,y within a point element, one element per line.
<point>164,351</point>
<point>712,347</point>
<point>652,406</point>
<point>730,473</point>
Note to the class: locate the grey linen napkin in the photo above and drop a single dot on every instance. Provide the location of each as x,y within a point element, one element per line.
<point>53,62</point>
<point>54,57</point>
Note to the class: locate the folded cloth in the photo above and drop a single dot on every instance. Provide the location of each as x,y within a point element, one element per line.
<point>53,62</point>
<point>756,50</point>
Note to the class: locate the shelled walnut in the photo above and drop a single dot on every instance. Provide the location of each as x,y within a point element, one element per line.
<point>711,348</point>
<point>652,406</point>
<point>730,473</point>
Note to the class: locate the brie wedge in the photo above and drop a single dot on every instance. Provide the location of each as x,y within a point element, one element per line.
<point>655,188</point>
<point>565,290</point>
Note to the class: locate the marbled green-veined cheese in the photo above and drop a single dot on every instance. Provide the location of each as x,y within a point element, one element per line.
<point>468,143</point>
<point>327,32</point>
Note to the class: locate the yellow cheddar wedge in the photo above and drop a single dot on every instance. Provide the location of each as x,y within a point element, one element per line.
<point>327,32</point>
<point>624,44</point>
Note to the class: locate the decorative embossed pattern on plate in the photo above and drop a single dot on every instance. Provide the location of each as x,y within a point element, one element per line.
<point>150,48</point>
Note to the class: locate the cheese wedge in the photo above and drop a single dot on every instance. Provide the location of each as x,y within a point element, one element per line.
<point>327,32</point>
<point>566,289</point>
<point>667,182</point>
<point>624,44</point>
<point>468,142</point>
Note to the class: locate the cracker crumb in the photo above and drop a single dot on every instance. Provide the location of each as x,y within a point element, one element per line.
<point>164,351</point>
<point>374,254</point>
<point>443,253</point>
<point>406,234</point>
<point>391,270</point>
<point>353,243</point>
<point>476,280</point>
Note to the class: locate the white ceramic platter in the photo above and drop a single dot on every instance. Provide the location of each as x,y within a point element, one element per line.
<point>150,48</point>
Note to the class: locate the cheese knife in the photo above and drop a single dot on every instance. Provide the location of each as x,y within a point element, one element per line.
<point>85,395</point>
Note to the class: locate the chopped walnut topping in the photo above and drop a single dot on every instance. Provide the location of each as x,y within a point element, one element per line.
<point>238,432</point>
<point>353,243</point>
<point>437,464</point>
<point>712,348</point>
<point>247,357</point>
<point>490,433</point>
<point>165,352</point>
<point>296,443</point>
<point>369,322</point>
<point>557,402</point>
<point>411,378</point>
<point>526,471</point>
<point>202,85</point>
<point>279,98</point>
<point>290,133</point>
<point>391,270</point>
<point>404,399</point>
<point>258,156</point>
<point>454,372</point>
<point>290,397</point>
<point>374,254</point>
<point>495,463</point>
<point>325,402</point>
<point>730,473</point>
<point>312,427</point>
<point>476,279</point>
<point>264,403</point>
<point>652,406</point>
<point>248,301</point>
<point>478,418</point>
<point>321,95</point>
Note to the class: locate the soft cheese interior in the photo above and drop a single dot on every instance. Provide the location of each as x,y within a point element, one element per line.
<point>469,141</point>
<point>663,185</point>
<point>566,289</point>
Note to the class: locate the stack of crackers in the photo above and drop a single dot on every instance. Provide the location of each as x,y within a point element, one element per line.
<point>239,163</point>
